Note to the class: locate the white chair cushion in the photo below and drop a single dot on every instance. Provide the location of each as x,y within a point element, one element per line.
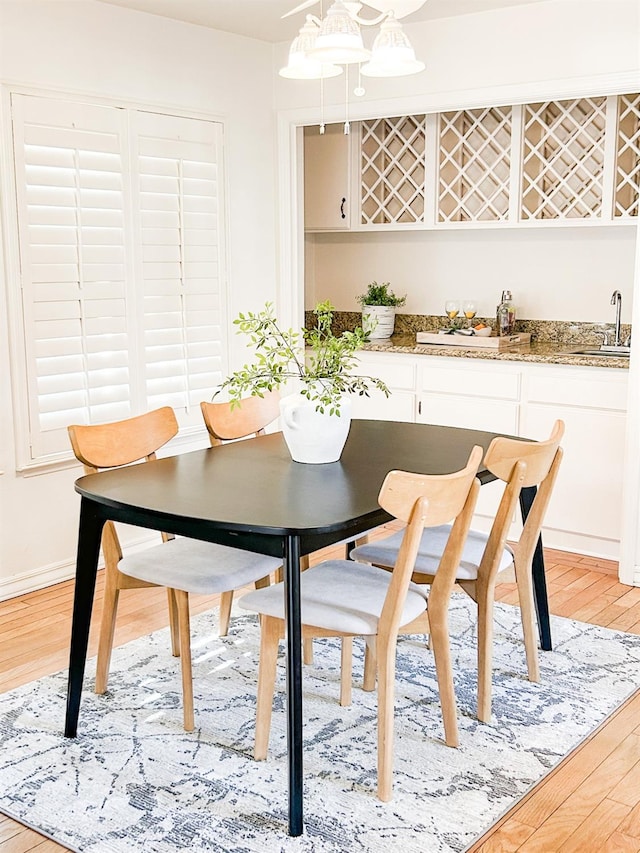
<point>340,596</point>
<point>195,566</point>
<point>384,552</point>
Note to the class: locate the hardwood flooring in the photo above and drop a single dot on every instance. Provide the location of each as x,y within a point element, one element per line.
<point>589,804</point>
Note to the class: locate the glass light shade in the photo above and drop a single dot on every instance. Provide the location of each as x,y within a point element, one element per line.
<point>339,39</point>
<point>299,65</point>
<point>392,54</point>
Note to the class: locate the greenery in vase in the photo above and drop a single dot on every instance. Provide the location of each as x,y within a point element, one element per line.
<point>325,371</point>
<point>379,294</point>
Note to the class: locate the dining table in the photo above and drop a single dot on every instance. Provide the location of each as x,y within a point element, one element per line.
<point>250,494</point>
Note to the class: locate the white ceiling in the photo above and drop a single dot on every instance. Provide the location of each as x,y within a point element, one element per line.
<point>261,19</point>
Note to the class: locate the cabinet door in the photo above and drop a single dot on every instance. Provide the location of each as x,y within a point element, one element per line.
<point>327,170</point>
<point>399,406</point>
<point>473,395</point>
<point>586,506</point>
<point>399,374</point>
<point>587,498</point>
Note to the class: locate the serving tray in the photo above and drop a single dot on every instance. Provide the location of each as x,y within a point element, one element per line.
<point>474,341</point>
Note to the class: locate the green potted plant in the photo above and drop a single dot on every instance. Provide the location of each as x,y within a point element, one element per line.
<point>316,418</point>
<point>379,305</point>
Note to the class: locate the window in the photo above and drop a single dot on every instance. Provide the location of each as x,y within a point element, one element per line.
<point>122,264</point>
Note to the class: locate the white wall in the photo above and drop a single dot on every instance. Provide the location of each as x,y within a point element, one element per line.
<point>92,48</point>
<point>554,274</point>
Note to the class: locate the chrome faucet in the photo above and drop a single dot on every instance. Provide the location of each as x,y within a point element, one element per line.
<point>616,299</point>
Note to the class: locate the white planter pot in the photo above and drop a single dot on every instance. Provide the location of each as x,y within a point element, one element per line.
<point>311,436</point>
<point>381,317</point>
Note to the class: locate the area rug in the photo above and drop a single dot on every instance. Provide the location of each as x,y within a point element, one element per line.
<point>134,782</point>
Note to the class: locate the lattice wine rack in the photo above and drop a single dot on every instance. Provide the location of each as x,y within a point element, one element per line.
<point>475,164</point>
<point>627,172</point>
<point>393,169</point>
<point>563,162</point>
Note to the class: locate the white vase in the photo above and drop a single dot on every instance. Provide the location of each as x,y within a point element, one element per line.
<point>378,321</point>
<point>312,436</point>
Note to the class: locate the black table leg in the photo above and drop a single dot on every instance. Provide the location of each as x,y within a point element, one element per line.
<point>294,681</point>
<point>89,535</point>
<point>541,600</point>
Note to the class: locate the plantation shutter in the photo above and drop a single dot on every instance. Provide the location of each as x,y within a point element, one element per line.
<point>179,220</point>
<point>118,224</point>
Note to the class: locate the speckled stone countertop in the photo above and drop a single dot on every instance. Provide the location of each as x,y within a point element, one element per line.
<point>541,352</point>
<point>551,340</point>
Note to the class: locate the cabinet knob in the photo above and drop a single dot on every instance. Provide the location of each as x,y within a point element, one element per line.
<point>343,215</point>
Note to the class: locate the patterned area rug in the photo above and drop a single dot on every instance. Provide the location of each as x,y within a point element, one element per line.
<point>134,781</point>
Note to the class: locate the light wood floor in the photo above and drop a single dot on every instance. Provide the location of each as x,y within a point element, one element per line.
<point>589,804</point>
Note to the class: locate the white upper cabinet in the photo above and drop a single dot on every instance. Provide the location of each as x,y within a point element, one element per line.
<point>572,161</point>
<point>327,173</point>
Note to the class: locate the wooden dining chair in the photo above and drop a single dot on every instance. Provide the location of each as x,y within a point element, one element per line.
<point>181,565</point>
<point>333,603</point>
<point>227,423</point>
<point>250,417</point>
<point>488,557</point>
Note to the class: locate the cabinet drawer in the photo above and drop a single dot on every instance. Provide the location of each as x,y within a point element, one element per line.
<point>592,388</point>
<point>472,381</point>
<point>400,406</point>
<point>395,372</point>
<point>450,410</point>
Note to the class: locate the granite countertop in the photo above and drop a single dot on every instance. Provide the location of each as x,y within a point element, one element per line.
<point>540,352</point>
<point>551,340</point>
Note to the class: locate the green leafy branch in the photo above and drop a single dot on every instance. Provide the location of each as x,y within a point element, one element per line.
<point>326,373</point>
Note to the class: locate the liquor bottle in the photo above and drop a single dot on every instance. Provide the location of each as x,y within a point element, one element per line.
<point>506,314</point>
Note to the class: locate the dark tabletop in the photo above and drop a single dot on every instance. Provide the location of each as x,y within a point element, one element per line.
<point>254,486</point>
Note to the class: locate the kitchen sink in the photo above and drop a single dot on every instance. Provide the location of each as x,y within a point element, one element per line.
<point>600,352</point>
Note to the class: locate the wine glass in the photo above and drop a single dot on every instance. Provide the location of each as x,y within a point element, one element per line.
<point>452,309</point>
<point>469,309</point>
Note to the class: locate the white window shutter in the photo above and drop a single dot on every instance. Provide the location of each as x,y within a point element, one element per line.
<point>71,203</point>
<point>179,208</point>
<point>118,223</point>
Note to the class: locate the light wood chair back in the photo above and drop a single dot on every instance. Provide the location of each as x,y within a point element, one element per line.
<point>225,423</point>
<point>520,464</point>
<point>434,500</point>
<point>422,501</point>
<point>123,442</point>
<point>112,445</point>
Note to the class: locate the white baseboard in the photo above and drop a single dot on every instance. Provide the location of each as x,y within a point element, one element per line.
<point>54,573</point>
<point>37,579</point>
<point>580,543</point>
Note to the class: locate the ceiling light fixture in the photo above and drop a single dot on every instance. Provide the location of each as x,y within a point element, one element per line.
<point>392,54</point>
<point>322,46</point>
<point>301,66</point>
<point>325,44</point>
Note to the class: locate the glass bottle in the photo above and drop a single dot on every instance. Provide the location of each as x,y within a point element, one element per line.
<point>506,314</point>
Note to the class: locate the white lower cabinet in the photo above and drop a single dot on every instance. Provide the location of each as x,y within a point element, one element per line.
<point>586,508</point>
<point>524,399</point>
